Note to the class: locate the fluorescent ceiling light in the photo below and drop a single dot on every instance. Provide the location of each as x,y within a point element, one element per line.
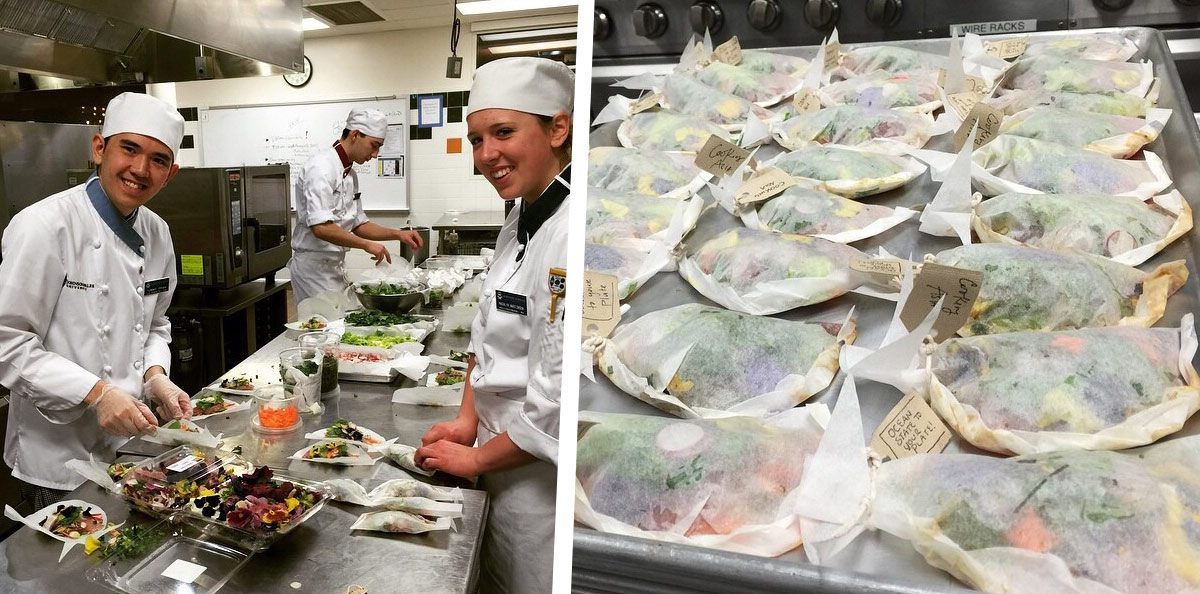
<point>532,34</point>
<point>499,6</point>
<point>518,48</point>
<point>312,24</point>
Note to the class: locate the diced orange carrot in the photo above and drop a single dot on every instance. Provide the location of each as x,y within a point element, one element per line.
<point>1030,533</point>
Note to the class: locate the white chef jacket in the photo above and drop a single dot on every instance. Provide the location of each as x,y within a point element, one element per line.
<point>83,297</point>
<point>517,386</point>
<point>327,190</point>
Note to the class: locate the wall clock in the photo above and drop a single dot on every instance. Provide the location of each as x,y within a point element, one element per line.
<point>299,79</point>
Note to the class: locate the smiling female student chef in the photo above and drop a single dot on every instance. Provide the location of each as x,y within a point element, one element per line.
<point>519,126</point>
<point>86,278</point>
<point>329,214</point>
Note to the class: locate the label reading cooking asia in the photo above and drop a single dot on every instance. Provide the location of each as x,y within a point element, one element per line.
<point>719,157</point>
<point>513,303</point>
<point>959,286</point>
<point>995,27</point>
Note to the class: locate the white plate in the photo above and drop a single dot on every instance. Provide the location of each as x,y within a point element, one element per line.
<point>237,406</point>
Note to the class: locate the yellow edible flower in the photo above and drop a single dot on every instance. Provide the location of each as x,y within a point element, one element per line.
<point>90,545</point>
<point>291,503</point>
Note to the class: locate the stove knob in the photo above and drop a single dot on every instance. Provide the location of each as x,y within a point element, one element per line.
<point>884,13</point>
<point>764,15</point>
<point>649,21</point>
<point>601,25</point>
<point>1113,4</point>
<point>821,14</point>
<point>706,16</point>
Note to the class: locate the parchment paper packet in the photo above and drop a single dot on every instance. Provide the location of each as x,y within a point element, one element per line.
<point>886,130</point>
<point>1075,75</point>
<point>694,360</point>
<point>645,172</point>
<point>632,262</point>
<point>400,522</point>
<point>724,483</point>
<point>1030,289</point>
<point>849,171</point>
<point>1110,47</point>
<point>666,130</point>
<point>615,216</point>
<point>887,58</point>
<point>761,88</point>
<point>684,94</point>
<point>1081,522</point>
<point>803,210</point>
<point>916,92</point>
<point>1119,137</point>
<point>1122,104</point>
<point>762,273</point>
<point>1121,228</point>
<point>1017,164</point>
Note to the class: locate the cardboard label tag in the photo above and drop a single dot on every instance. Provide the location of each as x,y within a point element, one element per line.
<point>645,102</point>
<point>1007,49</point>
<point>719,157</point>
<point>729,52</point>
<point>833,53</point>
<point>601,308</point>
<point>184,464</point>
<point>962,103</point>
<point>805,101</point>
<point>960,287</point>
<point>970,83</point>
<point>989,119</point>
<point>887,266</point>
<point>912,427</point>
<point>764,184</point>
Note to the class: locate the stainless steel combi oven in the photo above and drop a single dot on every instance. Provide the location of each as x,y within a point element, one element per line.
<point>229,225</point>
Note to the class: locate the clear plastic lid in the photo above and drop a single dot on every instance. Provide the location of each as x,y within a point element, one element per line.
<point>183,565</point>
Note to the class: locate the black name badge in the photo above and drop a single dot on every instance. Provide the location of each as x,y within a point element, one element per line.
<point>512,303</point>
<point>156,286</point>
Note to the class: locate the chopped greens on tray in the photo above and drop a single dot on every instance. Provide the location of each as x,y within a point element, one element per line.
<point>378,339</point>
<point>374,317</point>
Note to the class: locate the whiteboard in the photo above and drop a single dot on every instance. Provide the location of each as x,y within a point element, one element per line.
<point>262,134</point>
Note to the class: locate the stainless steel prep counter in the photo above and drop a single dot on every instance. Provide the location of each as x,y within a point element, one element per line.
<point>323,555</point>
<point>874,562</point>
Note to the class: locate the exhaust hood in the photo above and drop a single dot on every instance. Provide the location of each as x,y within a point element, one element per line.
<point>148,41</point>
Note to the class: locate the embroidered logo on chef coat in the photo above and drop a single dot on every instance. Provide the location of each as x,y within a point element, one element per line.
<point>558,288</point>
<point>513,303</point>
<point>70,284</point>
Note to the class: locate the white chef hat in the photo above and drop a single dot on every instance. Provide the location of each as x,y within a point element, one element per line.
<point>532,85</point>
<point>371,122</point>
<point>139,113</point>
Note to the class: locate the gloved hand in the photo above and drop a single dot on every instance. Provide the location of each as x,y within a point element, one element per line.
<point>173,402</point>
<point>119,413</point>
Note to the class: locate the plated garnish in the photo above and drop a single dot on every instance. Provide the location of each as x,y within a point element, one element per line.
<point>314,323</point>
<point>378,339</point>
<point>344,429</point>
<point>459,356</point>
<point>211,404</point>
<point>73,521</point>
<point>182,426</point>
<point>256,501</point>
<point>329,449</point>
<point>117,470</point>
<point>239,382</point>
<point>450,377</point>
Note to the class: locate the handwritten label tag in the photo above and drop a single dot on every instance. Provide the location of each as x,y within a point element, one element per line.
<point>887,266</point>
<point>1007,49</point>
<point>601,308</point>
<point>764,184</point>
<point>729,52</point>
<point>833,54</point>
<point>805,101</point>
<point>719,157</point>
<point>911,428</point>
<point>645,102</point>
<point>184,571</point>
<point>989,119</point>
<point>970,83</point>
<point>962,103</point>
<point>960,286</point>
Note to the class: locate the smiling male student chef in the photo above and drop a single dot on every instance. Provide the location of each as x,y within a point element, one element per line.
<point>86,278</point>
<point>329,214</point>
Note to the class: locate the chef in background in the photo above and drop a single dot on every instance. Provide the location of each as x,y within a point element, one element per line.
<point>506,432</point>
<point>329,213</point>
<point>86,278</point>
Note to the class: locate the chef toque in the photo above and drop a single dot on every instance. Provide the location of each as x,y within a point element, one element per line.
<point>371,122</point>
<point>532,85</point>
<point>139,113</point>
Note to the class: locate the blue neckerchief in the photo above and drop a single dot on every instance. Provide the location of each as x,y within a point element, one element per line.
<point>108,213</point>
